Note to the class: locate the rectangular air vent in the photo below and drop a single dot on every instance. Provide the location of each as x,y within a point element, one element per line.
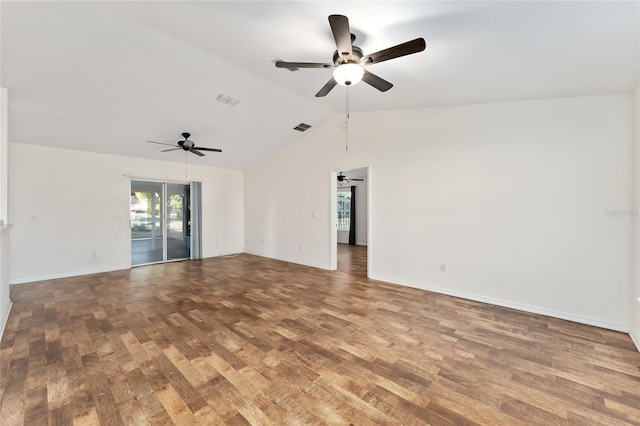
<point>227,100</point>
<point>302,127</point>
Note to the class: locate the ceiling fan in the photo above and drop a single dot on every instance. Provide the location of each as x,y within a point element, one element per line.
<point>187,145</point>
<point>343,178</point>
<point>348,61</point>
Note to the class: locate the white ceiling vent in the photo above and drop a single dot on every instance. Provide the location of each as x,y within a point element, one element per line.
<point>227,100</point>
<point>302,127</point>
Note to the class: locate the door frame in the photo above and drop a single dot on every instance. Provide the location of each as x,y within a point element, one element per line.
<point>333,223</point>
<point>164,222</point>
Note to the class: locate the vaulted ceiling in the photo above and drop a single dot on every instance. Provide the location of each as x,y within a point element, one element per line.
<point>108,76</point>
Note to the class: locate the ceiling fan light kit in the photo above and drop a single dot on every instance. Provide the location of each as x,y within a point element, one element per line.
<point>348,74</point>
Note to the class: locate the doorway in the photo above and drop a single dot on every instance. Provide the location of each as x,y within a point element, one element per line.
<point>160,222</point>
<point>350,195</point>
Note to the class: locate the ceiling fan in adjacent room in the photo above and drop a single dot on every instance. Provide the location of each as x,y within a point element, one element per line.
<point>187,145</point>
<point>349,62</point>
<point>343,178</point>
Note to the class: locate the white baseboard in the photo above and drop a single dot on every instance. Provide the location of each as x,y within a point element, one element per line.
<point>66,275</point>
<point>635,340</point>
<point>311,265</point>
<point>74,274</point>
<point>509,304</point>
<point>4,319</point>
<point>464,295</point>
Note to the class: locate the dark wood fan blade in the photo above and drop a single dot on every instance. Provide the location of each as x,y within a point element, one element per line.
<point>196,152</point>
<point>403,49</point>
<point>341,33</point>
<point>172,149</point>
<point>200,148</point>
<point>162,143</point>
<point>375,81</point>
<point>296,65</point>
<point>326,88</point>
<point>359,180</point>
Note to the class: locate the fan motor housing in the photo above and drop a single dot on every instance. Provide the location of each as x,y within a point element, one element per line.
<point>356,55</point>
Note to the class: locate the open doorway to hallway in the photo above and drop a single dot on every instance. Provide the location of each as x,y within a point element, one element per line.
<point>352,217</point>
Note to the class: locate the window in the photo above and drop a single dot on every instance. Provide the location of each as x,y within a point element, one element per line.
<point>344,210</point>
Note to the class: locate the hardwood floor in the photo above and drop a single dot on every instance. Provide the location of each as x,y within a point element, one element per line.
<point>248,340</point>
<point>352,259</point>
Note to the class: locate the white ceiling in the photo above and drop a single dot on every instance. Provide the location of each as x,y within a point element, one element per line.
<point>107,76</point>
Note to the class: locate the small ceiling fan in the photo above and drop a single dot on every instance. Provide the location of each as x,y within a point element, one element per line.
<point>187,145</point>
<point>343,178</point>
<point>348,61</point>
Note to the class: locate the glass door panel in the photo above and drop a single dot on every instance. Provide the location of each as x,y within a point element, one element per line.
<point>160,222</point>
<point>178,216</point>
<point>147,236</point>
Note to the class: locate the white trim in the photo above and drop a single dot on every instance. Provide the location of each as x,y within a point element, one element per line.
<point>68,275</point>
<point>4,155</point>
<point>333,221</point>
<point>100,271</point>
<point>323,267</point>
<point>5,319</point>
<point>333,240</point>
<point>635,341</point>
<point>464,295</point>
<point>508,304</point>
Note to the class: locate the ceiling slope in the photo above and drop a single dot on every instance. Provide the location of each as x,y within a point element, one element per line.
<point>107,76</point>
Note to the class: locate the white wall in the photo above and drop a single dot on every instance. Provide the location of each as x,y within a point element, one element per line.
<point>5,302</point>
<point>361,214</point>
<point>4,155</point>
<point>514,197</point>
<point>67,204</point>
<point>635,324</point>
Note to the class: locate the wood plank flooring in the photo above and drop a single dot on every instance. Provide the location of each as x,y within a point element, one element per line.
<point>248,340</point>
<point>352,259</point>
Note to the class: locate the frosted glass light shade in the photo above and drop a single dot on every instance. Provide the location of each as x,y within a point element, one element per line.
<point>348,74</point>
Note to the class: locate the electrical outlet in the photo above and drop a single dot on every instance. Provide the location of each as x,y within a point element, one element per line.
<point>301,247</point>
<point>443,267</point>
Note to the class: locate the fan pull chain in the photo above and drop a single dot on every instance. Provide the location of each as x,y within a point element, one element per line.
<point>346,128</point>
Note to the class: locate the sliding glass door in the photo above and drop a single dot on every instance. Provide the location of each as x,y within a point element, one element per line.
<point>178,221</point>
<point>160,222</point>
<point>147,239</point>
